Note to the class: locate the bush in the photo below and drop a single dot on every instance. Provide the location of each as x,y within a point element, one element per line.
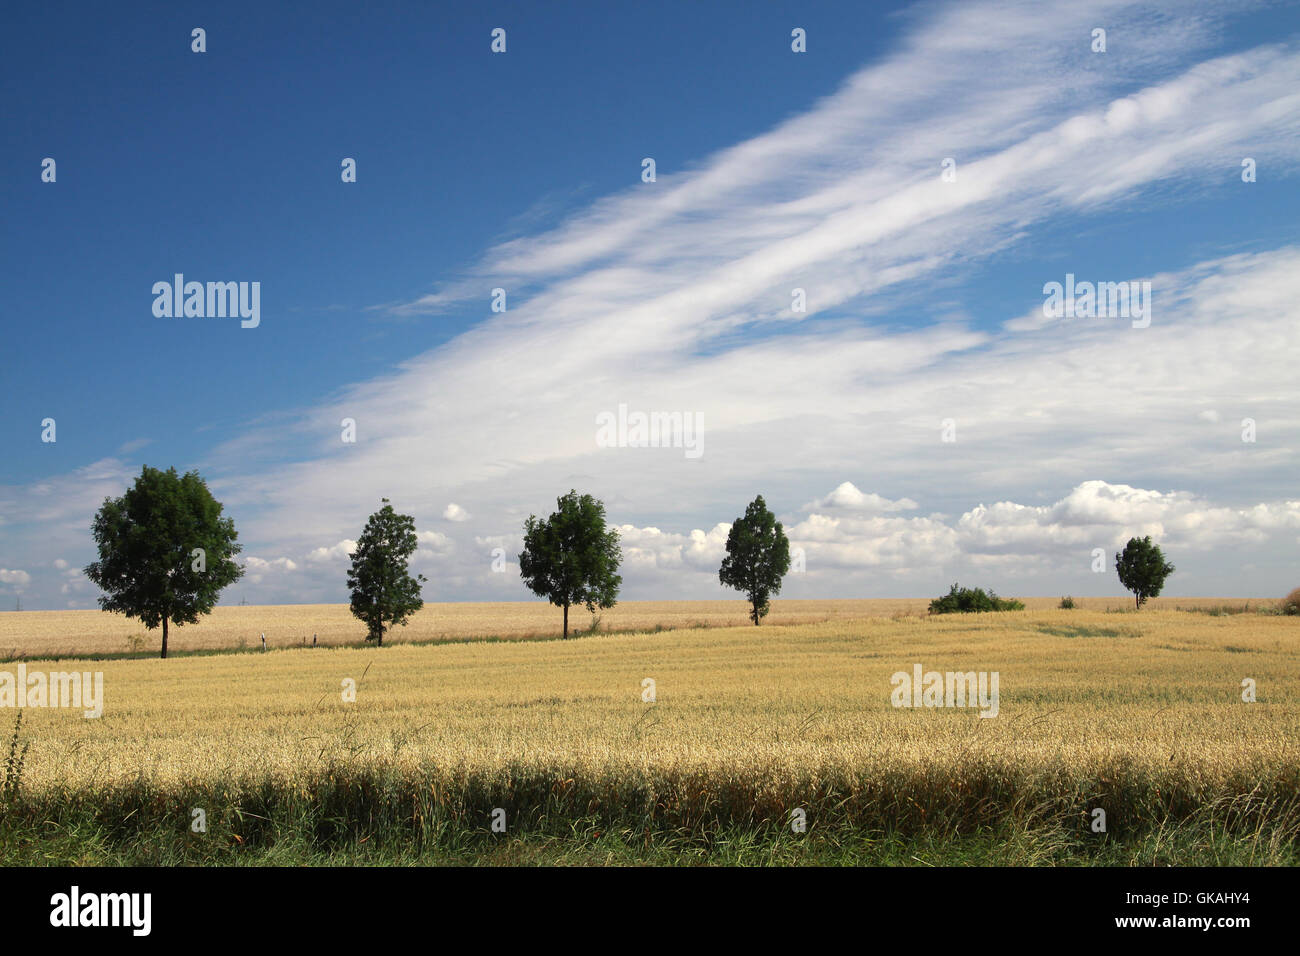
<point>1067,603</point>
<point>971,600</point>
<point>1291,603</point>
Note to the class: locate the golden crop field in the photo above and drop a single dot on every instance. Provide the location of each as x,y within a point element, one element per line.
<point>44,633</point>
<point>1138,713</point>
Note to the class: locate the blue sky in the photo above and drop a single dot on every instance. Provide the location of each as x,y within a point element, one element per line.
<point>522,170</point>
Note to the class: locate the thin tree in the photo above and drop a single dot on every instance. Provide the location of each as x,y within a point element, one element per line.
<point>1142,569</point>
<point>758,557</point>
<point>165,551</point>
<point>384,594</point>
<point>571,557</point>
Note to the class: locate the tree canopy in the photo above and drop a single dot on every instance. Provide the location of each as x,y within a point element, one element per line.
<point>165,551</point>
<point>384,594</point>
<point>1142,569</point>
<point>571,557</point>
<point>758,557</point>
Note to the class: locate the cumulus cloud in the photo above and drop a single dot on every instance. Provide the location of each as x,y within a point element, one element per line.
<point>275,564</point>
<point>652,549</point>
<point>258,570</point>
<point>874,542</point>
<point>15,577</point>
<point>455,512</point>
<point>433,545</point>
<point>847,497</point>
<point>337,552</point>
<point>1096,513</point>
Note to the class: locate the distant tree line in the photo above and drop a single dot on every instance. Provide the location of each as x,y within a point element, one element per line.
<point>166,553</point>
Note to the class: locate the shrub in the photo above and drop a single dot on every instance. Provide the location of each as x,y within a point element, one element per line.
<point>1291,603</point>
<point>1067,603</point>
<point>972,600</point>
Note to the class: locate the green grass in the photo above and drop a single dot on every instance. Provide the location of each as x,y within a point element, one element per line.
<point>376,817</point>
<point>1079,631</point>
<point>88,844</point>
<point>1227,610</point>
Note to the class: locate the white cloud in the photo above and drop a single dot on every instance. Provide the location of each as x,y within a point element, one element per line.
<point>1094,514</point>
<point>17,578</point>
<point>455,512</point>
<point>1098,514</point>
<point>337,552</point>
<point>433,545</point>
<point>258,570</point>
<point>74,582</point>
<point>275,564</point>
<point>847,497</point>
<point>651,549</point>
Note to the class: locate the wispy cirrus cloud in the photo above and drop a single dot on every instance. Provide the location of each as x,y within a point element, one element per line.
<point>678,295</point>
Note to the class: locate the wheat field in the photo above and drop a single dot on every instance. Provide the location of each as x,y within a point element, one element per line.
<point>1140,714</point>
<point>55,633</point>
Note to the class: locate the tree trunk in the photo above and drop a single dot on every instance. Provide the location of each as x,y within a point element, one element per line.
<point>566,622</point>
<point>381,636</point>
<point>164,649</point>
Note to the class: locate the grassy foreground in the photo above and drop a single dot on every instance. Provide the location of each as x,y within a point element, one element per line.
<point>1139,715</point>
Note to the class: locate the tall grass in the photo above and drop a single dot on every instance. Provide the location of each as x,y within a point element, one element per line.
<point>396,811</point>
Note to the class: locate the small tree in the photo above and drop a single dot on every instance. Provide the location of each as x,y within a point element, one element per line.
<point>758,556</point>
<point>165,552</point>
<point>383,591</point>
<point>960,600</point>
<point>571,558</point>
<point>1142,569</point>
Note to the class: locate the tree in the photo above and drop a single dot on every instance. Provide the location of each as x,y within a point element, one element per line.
<point>758,556</point>
<point>165,552</point>
<point>1142,569</point>
<point>571,558</point>
<point>383,591</point>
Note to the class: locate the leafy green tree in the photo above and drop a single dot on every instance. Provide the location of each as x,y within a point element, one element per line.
<point>383,592</point>
<point>165,552</point>
<point>1142,569</point>
<point>571,557</point>
<point>758,557</point>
